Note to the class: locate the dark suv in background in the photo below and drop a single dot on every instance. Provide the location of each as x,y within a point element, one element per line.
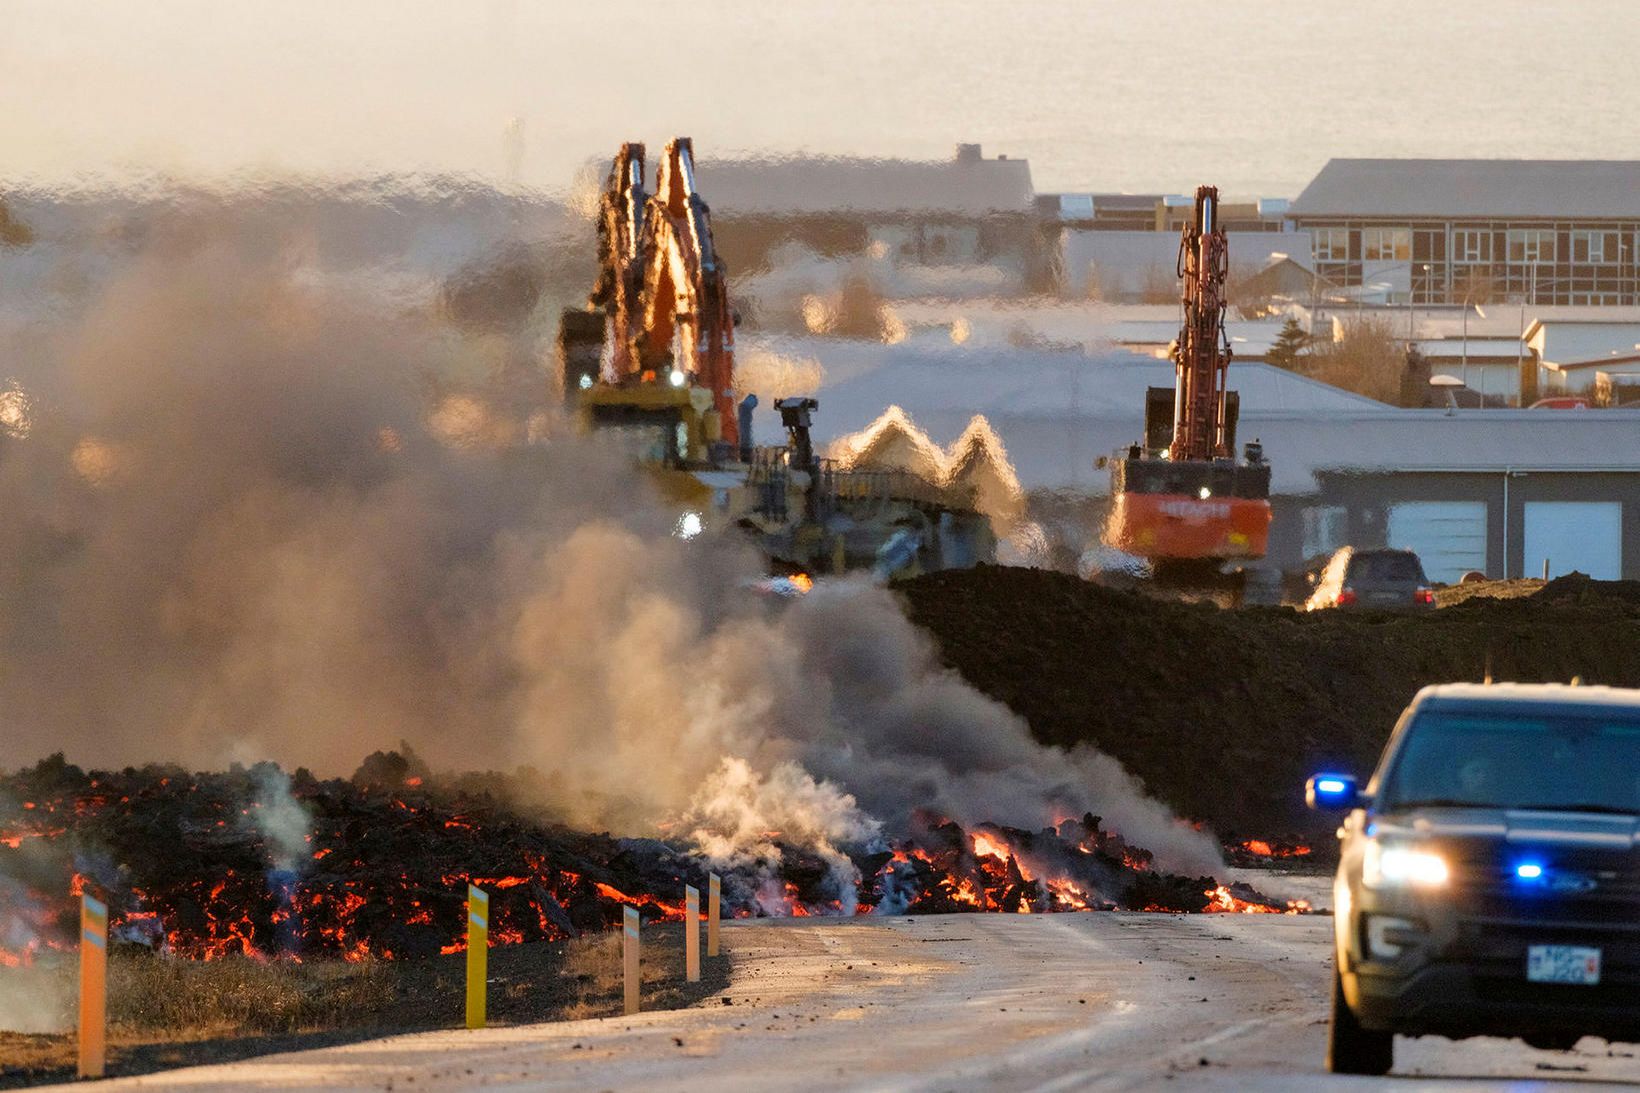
<point>1489,881</point>
<point>1382,580</point>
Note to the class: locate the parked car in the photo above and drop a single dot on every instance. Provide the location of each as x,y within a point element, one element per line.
<point>1489,878</point>
<point>1383,580</point>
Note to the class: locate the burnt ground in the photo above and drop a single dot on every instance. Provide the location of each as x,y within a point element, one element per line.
<point>167,1013</point>
<point>1224,713</point>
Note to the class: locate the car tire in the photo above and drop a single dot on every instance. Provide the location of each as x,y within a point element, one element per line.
<point>1352,1049</point>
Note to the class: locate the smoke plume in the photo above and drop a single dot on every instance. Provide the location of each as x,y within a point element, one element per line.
<point>252,513</point>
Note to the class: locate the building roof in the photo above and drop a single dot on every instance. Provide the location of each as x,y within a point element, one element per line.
<point>806,185</point>
<point>1525,189</point>
<point>1477,349</point>
<point>1612,359</point>
<point>1605,316</point>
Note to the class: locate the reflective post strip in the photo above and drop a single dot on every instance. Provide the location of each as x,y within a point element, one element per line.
<point>629,957</point>
<point>691,933</point>
<point>93,986</point>
<point>714,903</point>
<point>478,952</point>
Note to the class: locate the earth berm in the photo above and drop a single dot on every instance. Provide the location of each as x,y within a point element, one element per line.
<point>1223,713</point>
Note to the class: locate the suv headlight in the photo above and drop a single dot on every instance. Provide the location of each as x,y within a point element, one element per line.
<point>1398,866</point>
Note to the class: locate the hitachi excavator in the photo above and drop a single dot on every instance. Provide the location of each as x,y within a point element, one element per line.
<point>1180,498</point>
<point>650,360</point>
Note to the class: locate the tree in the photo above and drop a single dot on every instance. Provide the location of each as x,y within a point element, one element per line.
<point>1290,346</point>
<point>1369,359</point>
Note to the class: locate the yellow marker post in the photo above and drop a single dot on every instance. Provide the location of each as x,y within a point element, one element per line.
<point>629,956</point>
<point>714,903</point>
<point>478,953</point>
<point>691,933</point>
<point>93,985</point>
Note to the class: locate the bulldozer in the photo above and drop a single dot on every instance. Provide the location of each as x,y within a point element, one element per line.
<point>649,361</point>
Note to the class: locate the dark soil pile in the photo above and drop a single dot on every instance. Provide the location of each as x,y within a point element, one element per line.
<point>1224,713</point>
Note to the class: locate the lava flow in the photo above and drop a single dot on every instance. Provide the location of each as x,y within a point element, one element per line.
<point>189,867</point>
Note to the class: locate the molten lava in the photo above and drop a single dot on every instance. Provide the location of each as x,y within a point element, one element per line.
<point>385,865</point>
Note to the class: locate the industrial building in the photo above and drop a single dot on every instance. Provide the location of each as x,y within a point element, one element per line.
<point>1455,230</point>
<point>936,216</point>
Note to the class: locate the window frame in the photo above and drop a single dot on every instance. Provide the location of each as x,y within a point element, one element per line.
<point>1531,243</point>
<point>1324,244</point>
<point>1386,244</point>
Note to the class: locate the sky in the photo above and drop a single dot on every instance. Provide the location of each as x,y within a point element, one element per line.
<point>1098,95</point>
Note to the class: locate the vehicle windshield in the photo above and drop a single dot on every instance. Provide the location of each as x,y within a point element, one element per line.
<point>1387,568</point>
<point>1518,760</point>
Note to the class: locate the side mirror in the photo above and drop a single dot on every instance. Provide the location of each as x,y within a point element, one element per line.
<point>1332,793</point>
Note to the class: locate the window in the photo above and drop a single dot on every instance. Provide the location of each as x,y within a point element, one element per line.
<point>1595,247</point>
<point>1326,528</point>
<point>1531,245</point>
<point>950,244</point>
<point>1471,245</point>
<point>892,241</point>
<point>1332,244</point>
<point>1386,244</point>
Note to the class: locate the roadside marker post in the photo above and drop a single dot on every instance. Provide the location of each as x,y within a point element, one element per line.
<point>629,957</point>
<point>691,933</point>
<point>93,985</point>
<point>714,905</point>
<point>478,953</point>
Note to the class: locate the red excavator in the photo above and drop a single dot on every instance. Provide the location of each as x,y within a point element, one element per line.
<point>662,303</point>
<point>1180,499</point>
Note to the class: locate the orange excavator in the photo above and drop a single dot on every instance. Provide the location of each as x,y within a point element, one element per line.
<point>1180,498</point>
<point>661,303</point>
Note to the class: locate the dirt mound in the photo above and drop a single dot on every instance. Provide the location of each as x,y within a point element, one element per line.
<point>1223,713</point>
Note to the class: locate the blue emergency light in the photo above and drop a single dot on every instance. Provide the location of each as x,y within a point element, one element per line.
<point>1331,791</point>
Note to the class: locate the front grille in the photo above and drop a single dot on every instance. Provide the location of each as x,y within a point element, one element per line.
<point>1497,950</point>
<point>1577,886</point>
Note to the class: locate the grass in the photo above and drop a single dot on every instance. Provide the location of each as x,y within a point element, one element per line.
<point>165,1013</point>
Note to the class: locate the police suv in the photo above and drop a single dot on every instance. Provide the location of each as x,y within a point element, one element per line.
<point>1489,881</point>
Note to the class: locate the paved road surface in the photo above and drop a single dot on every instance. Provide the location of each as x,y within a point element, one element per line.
<point>1046,1002</point>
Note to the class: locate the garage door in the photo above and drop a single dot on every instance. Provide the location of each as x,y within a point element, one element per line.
<point>1583,535</point>
<point>1449,536</point>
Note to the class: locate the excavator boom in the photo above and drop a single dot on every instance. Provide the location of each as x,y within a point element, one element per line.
<point>1201,357</point>
<point>663,289</point>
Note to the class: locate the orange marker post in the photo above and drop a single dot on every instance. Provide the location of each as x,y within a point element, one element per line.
<point>93,985</point>
<point>714,904</point>
<point>478,954</point>
<point>691,933</point>
<point>629,956</point>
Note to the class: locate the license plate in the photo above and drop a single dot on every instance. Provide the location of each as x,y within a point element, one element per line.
<point>1562,964</point>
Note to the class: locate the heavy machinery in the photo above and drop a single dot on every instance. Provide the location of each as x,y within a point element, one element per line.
<point>662,304</point>
<point>650,360</point>
<point>1180,498</point>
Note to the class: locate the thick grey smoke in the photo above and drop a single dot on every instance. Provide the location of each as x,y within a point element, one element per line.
<point>252,513</point>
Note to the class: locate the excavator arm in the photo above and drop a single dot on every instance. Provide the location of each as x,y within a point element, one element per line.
<point>661,283</point>
<point>1201,357</point>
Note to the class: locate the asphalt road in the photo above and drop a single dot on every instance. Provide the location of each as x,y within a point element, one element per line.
<point>1046,1002</point>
